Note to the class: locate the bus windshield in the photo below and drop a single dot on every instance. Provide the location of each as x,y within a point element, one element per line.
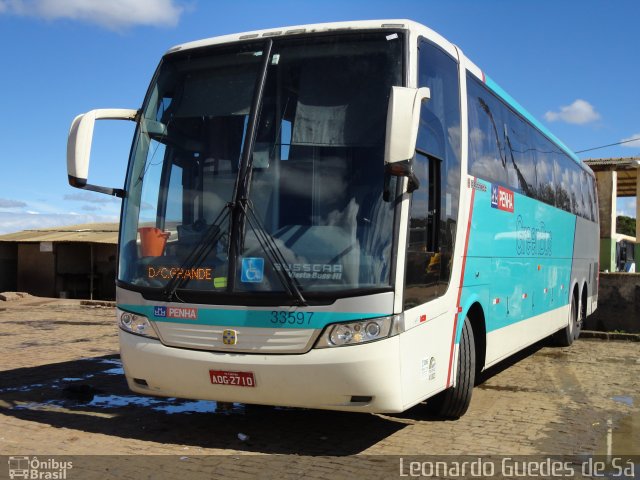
<point>313,209</point>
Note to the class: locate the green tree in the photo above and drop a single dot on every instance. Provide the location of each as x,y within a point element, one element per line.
<point>626,225</point>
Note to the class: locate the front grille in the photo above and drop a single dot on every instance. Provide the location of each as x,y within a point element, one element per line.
<point>248,339</point>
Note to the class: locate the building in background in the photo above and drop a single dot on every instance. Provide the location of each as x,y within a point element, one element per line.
<point>78,261</point>
<point>615,178</point>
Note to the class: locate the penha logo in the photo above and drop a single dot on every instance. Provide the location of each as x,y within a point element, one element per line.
<point>187,313</point>
<point>502,198</point>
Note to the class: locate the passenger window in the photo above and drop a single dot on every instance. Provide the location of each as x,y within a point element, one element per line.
<point>521,168</point>
<point>593,203</point>
<point>563,189</point>
<point>486,136</point>
<point>545,172</point>
<point>505,149</point>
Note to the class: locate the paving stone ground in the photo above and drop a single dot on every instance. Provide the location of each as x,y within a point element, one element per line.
<point>62,392</point>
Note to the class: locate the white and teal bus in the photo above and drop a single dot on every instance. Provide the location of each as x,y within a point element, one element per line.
<point>346,216</point>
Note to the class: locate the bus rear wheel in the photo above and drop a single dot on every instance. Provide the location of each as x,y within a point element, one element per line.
<point>571,332</point>
<point>454,402</point>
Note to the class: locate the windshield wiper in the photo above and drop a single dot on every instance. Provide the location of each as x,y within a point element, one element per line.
<point>274,254</point>
<point>266,241</point>
<point>243,211</point>
<point>211,237</point>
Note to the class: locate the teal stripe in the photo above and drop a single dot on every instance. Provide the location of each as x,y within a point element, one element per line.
<point>520,109</point>
<point>277,318</point>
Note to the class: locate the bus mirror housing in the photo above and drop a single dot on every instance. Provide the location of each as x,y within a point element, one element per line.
<point>403,117</point>
<point>79,146</point>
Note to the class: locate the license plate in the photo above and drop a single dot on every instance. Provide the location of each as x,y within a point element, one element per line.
<point>238,379</point>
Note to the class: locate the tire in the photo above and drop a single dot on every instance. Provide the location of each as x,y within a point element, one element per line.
<point>566,336</point>
<point>454,402</point>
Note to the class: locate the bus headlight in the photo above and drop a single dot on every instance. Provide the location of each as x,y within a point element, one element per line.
<point>355,333</point>
<point>134,323</point>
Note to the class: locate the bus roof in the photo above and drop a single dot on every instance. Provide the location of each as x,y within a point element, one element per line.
<point>392,24</point>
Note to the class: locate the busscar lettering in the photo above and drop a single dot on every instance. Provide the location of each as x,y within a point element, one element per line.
<point>312,271</point>
<point>167,273</point>
<point>475,184</point>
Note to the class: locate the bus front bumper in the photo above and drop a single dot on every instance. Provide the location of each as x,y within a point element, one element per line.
<point>363,378</point>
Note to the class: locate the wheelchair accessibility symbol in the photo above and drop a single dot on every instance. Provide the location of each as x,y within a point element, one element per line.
<point>252,270</point>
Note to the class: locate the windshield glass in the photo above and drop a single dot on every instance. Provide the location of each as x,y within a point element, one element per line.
<point>314,192</point>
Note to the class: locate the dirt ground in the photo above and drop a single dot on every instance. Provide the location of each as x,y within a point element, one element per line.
<point>63,393</point>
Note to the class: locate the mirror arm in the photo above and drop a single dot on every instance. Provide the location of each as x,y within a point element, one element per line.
<point>82,183</point>
<point>414,183</point>
<point>115,192</point>
<point>400,169</point>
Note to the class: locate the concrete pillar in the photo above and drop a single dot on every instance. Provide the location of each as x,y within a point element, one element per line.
<point>607,196</point>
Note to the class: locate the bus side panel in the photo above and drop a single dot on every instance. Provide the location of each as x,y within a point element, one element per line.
<point>424,357</point>
<point>508,340</point>
<point>584,269</point>
<point>530,247</point>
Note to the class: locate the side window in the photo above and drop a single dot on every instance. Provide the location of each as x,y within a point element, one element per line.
<point>521,168</point>
<point>594,201</point>
<point>486,133</point>
<point>423,253</point>
<point>586,196</point>
<point>434,207</point>
<point>562,175</point>
<point>505,149</point>
<point>174,213</point>
<point>576,189</point>
<point>151,202</point>
<point>500,142</point>
<point>587,193</point>
<point>545,171</point>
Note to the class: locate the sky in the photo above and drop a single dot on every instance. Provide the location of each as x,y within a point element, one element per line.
<point>573,64</point>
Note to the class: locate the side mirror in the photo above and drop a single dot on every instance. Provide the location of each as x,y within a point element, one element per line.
<point>79,146</point>
<point>403,118</point>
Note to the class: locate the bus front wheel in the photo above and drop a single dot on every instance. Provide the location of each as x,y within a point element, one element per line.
<point>454,402</point>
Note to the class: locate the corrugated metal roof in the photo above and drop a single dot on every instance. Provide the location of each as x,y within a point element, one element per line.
<point>627,172</point>
<point>87,233</point>
<point>632,162</point>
